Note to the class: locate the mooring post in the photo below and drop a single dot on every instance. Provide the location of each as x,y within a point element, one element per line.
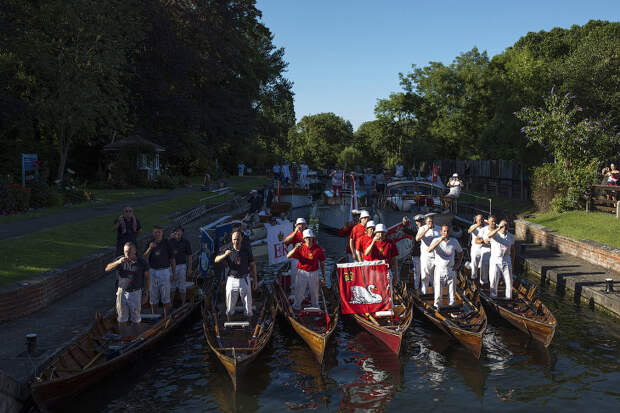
<point>617,209</point>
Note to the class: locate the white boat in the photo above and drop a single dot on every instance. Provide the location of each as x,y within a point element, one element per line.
<point>297,197</point>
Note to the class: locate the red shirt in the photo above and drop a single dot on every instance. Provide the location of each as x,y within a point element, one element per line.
<point>357,232</point>
<point>308,257</point>
<point>345,232</point>
<point>383,250</point>
<point>361,244</point>
<point>299,237</point>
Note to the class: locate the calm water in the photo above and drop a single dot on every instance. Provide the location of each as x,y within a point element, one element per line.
<point>579,371</point>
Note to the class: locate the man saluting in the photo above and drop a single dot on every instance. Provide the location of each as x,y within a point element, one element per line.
<point>381,248</point>
<point>310,256</point>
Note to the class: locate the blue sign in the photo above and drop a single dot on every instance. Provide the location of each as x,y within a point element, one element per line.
<point>30,162</point>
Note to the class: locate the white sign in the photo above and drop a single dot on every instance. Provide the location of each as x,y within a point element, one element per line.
<point>275,241</point>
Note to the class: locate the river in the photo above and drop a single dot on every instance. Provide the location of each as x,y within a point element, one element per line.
<point>579,371</point>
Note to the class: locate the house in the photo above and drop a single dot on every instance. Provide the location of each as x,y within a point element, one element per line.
<point>147,154</point>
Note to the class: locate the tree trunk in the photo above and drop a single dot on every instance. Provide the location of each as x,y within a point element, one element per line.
<point>63,149</point>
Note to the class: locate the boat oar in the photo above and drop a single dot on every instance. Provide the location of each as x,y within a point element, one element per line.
<point>371,318</point>
<point>258,324</point>
<point>327,320</point>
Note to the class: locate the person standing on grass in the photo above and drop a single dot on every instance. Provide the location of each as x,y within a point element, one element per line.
<point>127,228</point>
<point>182,251</point>
<point>133,285</point>
<point>161,259</point>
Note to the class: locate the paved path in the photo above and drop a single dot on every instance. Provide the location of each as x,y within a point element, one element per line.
<point>585,281</point>
<point>65,319</point>
<point>26,226</point>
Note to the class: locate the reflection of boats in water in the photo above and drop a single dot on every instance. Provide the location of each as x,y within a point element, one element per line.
<point>380,376</point>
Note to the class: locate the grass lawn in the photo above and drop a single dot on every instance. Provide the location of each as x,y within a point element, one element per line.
<point>596,226</point>
<point>26,256</point>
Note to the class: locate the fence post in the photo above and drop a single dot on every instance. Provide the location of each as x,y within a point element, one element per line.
<point>617,209</point>
<point>588,204</point>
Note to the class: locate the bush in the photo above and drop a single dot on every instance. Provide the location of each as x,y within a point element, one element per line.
<point>182,180</point>
<point>13,197</point>
<point>75,194</point>
<point>163,182</point>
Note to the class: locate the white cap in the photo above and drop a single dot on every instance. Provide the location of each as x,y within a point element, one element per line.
<point>253,191</point>
<point>380,228</point>
<point>455,175</point>
<point>355,211</point>
<point>308,233</point>
<point>300,221</point>
<point>364,214</point>
<point>370,223</point>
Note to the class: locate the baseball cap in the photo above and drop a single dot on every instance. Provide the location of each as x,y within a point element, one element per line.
<point>308,233</point>
<point>455,175</point>
<point>418,217</point>
<point>300,221</point>
<point>370,223</point>
<point>380,228</point>
<point>364,214</point>
<point>355,211</point>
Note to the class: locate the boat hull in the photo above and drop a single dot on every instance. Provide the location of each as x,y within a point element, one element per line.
<point>391,339</point>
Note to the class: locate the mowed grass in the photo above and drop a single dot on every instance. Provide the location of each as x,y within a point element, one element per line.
<point>596,226</point>
<point>32,254</point>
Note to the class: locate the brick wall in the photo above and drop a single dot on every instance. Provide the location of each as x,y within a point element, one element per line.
<point>588,250</point>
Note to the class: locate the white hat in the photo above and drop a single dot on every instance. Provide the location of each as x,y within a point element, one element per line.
<point>380,228</point>
<point>455,175</point>
<point>370,224</point>
<point>419,217</point>
<point>308,233</point>
<point>355,211</point>
<point>364,214</point>
<point>300,221</point>
<point>253,191</point>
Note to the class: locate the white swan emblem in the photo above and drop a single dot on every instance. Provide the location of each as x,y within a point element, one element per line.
<point>364,296</point>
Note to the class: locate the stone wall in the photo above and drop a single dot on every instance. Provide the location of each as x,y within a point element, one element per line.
<point>588,250</point>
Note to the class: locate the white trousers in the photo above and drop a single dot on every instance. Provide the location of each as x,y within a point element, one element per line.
<point>306,279</point>
<point>443,276</point>
<point>128,305</point>
<point>500,266</point>
<point>427,269</point>
<point>236,287</point>
<point>415,261</point>
<point>479,263</point>
<point>160,286</point>
<point>179,279</point>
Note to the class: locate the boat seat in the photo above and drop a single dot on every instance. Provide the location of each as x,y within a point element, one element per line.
<point>237,324</point>
<point>388,313</point>
<point>150,318</point>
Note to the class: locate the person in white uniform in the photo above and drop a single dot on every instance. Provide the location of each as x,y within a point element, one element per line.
<point>240,261</point>
<point>303,175</point>
<point>426,234</point>
<point>445,248</point>
<point>476,231</point>
<point>502,253</point>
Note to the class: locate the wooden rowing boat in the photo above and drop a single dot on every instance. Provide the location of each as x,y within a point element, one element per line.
<point>465,321</point>
<point>101,352</point>
<point>524,311</point>
<point>390,329</point>
<point>236,345</point>
<point>314,326</point>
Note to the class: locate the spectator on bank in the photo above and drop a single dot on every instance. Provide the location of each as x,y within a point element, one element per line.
<point>336,176</point>
<point>276,172</point>
<point>207,181</point>
<point>127,228</point>
<point>399,170</point>
<point>611,176</point>
<point>162,269</point>
<point>380,181</point>
<point>286,173</point>
<point>133,286</point>
<point>182,252</point>
<point>267,198</point>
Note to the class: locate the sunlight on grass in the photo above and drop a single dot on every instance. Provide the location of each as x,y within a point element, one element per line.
<point>596,226</point>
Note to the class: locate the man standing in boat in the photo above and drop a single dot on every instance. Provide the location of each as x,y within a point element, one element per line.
<point>502,254</point>
<point>240,260</point>
<point>363,241</point>
<point>478,232</point>
<point>133,284</point>
<point>381,248</point>
<point>426,234</point>
<point>445,248</point>
<point>310,257</point>
<point>161,259</point>
<point>357,231</point>
<point>182,251</point>
<point>486,249</point>
<point>295,238</point>
<point>415,250</point>
<point>337,177</point>
<point>346,232</point>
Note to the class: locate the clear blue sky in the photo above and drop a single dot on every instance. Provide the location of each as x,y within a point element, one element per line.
<point>343,55</point>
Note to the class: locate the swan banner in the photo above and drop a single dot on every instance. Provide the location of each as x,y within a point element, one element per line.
<point>364,287</point>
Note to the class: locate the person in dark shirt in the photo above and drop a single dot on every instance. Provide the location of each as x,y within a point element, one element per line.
<point>267,198</point>
<point>240,261</point>
<point>127,228</point>
<point>133,284</point>
<point>182,251</point>
<point>160,257</point>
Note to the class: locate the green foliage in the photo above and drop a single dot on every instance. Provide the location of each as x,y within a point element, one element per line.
<point>351,156</point>
<point>13,196</point>
<point>318,139</point>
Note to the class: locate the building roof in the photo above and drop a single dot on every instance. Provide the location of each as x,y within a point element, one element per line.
<point>133,140</point>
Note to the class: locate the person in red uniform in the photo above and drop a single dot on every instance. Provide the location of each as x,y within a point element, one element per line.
<point>310,257</point>
<point>381,248</point>
<point>346,232</point>
<point>296,236</point>
<point>358,231</point>
<point>364,241</point>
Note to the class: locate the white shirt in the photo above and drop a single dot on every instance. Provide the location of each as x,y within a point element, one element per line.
<point>276,169</point>
<point>478,232</point>
<point>427,240</point>
<point>285,171</point>
<point>445,251</point>
<point>304,169</point>
<point>337,178</point>
<point>501,244</point>
<point>484,231</point>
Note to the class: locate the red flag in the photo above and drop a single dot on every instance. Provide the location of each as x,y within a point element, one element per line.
<point>364,287</point>
<point>435,172</point>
